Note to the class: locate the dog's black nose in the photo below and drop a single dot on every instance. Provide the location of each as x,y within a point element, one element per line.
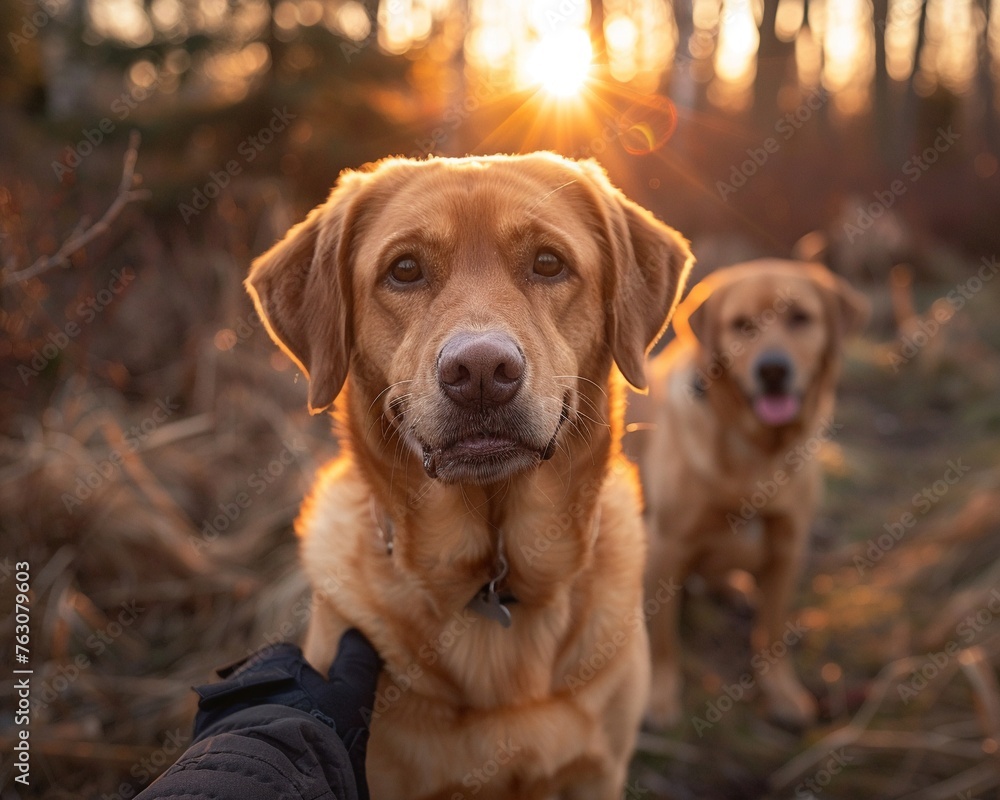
<point>481,369</point>
<point>773,372</point>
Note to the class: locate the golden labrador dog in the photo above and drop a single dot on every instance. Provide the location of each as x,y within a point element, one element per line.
<point>482,528</point>
<point>738,405</point>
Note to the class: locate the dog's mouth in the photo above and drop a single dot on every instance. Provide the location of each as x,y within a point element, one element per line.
<point>483,458</point>
<point>488,456</point>
<point>777,409</point>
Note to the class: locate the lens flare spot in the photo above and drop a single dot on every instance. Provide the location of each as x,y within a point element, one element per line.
<point>648,125</point>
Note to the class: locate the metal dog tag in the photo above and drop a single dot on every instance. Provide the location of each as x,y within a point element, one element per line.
<point>487,604</point>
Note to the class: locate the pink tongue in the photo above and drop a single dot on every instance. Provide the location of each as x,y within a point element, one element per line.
<point>776,409</point>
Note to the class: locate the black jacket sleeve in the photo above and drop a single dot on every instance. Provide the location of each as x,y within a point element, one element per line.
<point>264,752</point>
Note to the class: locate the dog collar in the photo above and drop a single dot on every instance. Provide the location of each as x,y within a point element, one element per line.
<point>490,601</point>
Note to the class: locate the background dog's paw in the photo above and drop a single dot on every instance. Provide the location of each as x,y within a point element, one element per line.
<point>791,706</point>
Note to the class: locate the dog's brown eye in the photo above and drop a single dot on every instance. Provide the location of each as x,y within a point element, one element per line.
<point>798,318</point>
<point>548,264</point>
<point>405,270</point>
<point>742,325</point>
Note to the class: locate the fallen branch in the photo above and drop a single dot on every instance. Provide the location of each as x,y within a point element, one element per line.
<point>857,734</point>
<point>850,733</point>
<point>83,235</point>
<point>980,675</point>
<point>975,779</point>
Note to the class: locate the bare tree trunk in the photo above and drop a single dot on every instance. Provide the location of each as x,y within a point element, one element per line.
<point>908,133</point>
<point>987,89</point>
<point>773,58</point>
<point>597,31</point>
<point>882,102</point>
<point>681,87</point>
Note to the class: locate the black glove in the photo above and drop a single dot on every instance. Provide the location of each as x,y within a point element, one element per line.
<point>279,674</point>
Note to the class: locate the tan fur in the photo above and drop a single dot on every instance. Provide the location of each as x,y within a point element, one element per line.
<point>549,707</point>
<point>706,453</point>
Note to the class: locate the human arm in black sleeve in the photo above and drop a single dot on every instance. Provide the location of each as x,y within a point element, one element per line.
<point>274,728</point>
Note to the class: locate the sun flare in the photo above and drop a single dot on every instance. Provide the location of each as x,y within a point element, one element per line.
<point>560,62</point>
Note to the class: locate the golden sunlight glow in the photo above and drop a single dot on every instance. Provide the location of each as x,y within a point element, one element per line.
<point>310,12</point>
<point>560,62</point>
<point>849,53</point>
<point>993,46</point>
<point>621,33</point>
<point>808,58</point>
<point>123,20</point>
<point>395,26</point>
<point>350,19</point>
<point>705,14</point>
<point>404,24</point>
<point>901,38</point>
<point>166,14</point>
<point>789,19</point>
<point>530,43</point>
<point>232,71</point>
<point>950,50</point>
<point>641,39</point>
<point>520,45</point>
<point>494,47</point>
<point>491,48</point>
<point>736,54</point>
<point>285,17</point>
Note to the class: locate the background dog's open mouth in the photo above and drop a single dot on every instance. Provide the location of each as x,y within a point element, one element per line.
<point>776,409</point>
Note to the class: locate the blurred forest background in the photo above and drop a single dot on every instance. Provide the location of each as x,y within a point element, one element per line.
<point>149,149</point>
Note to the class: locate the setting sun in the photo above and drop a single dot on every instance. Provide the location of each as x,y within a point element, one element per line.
<point>560,62</point>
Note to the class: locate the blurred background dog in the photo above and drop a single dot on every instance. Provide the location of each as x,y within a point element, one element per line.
<point>748,381</point>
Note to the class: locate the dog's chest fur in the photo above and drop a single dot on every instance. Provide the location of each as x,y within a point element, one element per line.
<point>455,681</point>
<point>422,626</point>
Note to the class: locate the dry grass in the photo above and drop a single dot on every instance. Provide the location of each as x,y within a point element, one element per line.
<point>168,403</point>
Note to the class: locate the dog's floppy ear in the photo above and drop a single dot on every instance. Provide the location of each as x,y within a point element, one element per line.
<point>846,308</point>
<point>301,288</point>
<point>694,315</point>
<point>650,262</point>
<point>852,307</point>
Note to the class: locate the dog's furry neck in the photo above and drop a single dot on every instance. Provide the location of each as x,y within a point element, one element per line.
<point>449,533</point>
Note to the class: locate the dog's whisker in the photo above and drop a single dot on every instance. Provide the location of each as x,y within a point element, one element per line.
<point>548,194</point>
<point>380,417</point>
<point>594,420</point>
<point>387,431</point>
<point>587,439</point>
<point>419,497</point>
<point>399,452</point>
<point>598,386</point>
<point>502,489</point>
<point>386,389</point>
<point>587,400</point>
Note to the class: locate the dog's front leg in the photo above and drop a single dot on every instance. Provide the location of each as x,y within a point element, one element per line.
<point>774,635</point>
